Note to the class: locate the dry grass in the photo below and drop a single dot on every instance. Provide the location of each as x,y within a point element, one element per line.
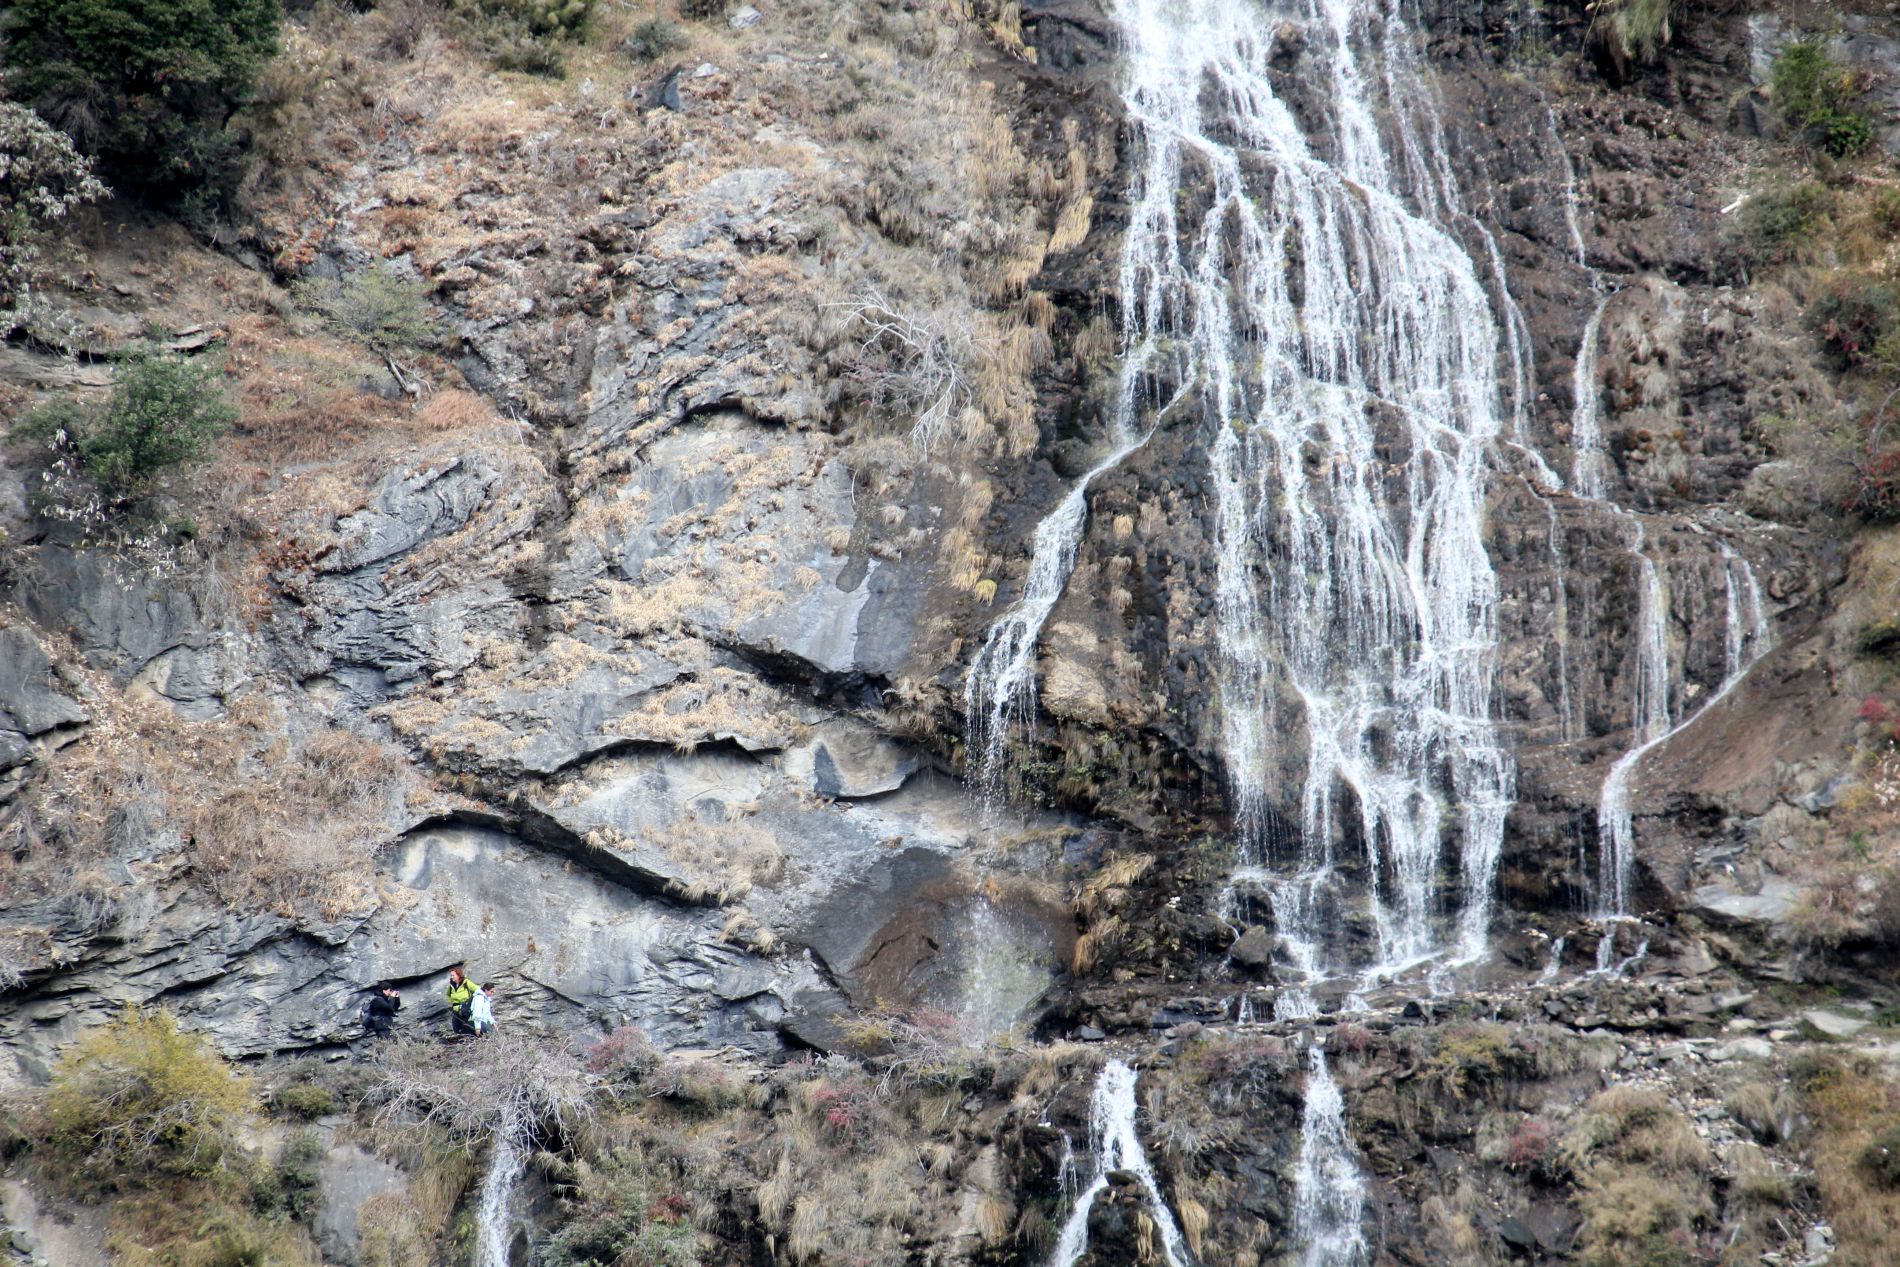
<point>1851,1103</point>
<point>266,816</point>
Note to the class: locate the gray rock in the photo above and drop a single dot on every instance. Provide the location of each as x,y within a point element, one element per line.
<point>1255,948</point>
<point>1742,1049</point>
<point>122,615</point>
<point>350,1175</point>
<point>1832,1024</point>
<point>1771,904</point>
<point>846,759</point>
<point>746,16</point>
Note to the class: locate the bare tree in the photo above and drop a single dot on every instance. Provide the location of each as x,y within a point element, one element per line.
<point>910,359</point>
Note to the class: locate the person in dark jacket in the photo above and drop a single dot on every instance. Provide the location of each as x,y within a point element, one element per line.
<point>379,1014</point>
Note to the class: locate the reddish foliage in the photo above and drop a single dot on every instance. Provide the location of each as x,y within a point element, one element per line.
<point>1872,710</point>
<point>1529,1144</point>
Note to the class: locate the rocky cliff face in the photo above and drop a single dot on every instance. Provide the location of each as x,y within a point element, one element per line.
<point>618,648</point>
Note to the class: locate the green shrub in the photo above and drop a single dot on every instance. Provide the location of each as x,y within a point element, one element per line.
<point>702,10</point>
<point>164,410</point>
<point>1853,315</point>
<point>138,1098</point>
<point>387,313</point>
<point>527,35</point>
<point>654,39</point>
<point>42,177</point>
<point>306,1100</point>
<point>1885,209</point>
<point>1772,220</point>
<point>146,86</point>
<point>1817,96</point>
<point>1881,1158</point>
<point>300,1174</point>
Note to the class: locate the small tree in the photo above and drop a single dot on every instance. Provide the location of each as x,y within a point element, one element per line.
<point>139,1096</point>
<point>163,410</point>
<point>42,177</point>
<point>147,86</point>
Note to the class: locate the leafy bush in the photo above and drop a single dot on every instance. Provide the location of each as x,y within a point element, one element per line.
<point>654,39</point>
<point>1816,95</point>
<point>164,410</point>
<point>300,1174</point>
<point>1885,209</point>
<point>387,313</point>
<point>42,177</point>
<point>702,10</point>
<point>146,86</point>
<point>138,1098</point>
<point>1853,315</point>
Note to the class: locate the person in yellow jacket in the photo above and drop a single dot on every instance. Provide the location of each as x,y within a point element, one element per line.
<point>461,996</point>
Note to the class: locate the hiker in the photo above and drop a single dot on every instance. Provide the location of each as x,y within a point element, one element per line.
<point>481,1012</point>
<point>460,994</point>
<point>379,1012</point>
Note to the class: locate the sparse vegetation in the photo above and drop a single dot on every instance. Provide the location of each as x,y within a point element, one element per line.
<point>527,35</point>
<point>386,313</point>
<point>624,1208</point>
<point>653,39</point>
<point>1640,1165</point>
<point>1630,33</point>
<point>1771,223</point>
<point>1856,316</point>
<point>1854,1107</point>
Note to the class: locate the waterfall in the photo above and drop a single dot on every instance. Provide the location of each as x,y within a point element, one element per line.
<point>1352,401</point>
<point>1589,472</point>
<point>494,1219</point>
<point>999,693</point>
<point>1746,638</point>
<point>1572,222</point>
<point>1328,1193</point>
<point>1116,1148</point>
<point>1649,718</point>
<point>1566,730</point>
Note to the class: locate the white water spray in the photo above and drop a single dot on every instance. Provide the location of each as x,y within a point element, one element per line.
<point>1353,398</point>
<point>1590,464</point>
<point>1746,638</point>
<point>1328,1193</point>
<point>494,1218</point>
<point>1116,1148</point>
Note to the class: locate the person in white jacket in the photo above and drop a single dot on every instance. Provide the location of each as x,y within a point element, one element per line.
<point>481,1011</point>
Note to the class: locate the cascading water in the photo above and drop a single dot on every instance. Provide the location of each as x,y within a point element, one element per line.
<point>1649,713</point>
<point>1746,638</point>
<point>1328,1193</point>
<point>1353,401</point>
<point>1116,1147</point>
<point>1589,472</point>
<point>494,1218</point>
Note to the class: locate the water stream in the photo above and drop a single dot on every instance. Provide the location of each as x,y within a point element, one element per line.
<point>1115,1147</point>
<point>1329,1193</point>
<point>494,1217</point>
